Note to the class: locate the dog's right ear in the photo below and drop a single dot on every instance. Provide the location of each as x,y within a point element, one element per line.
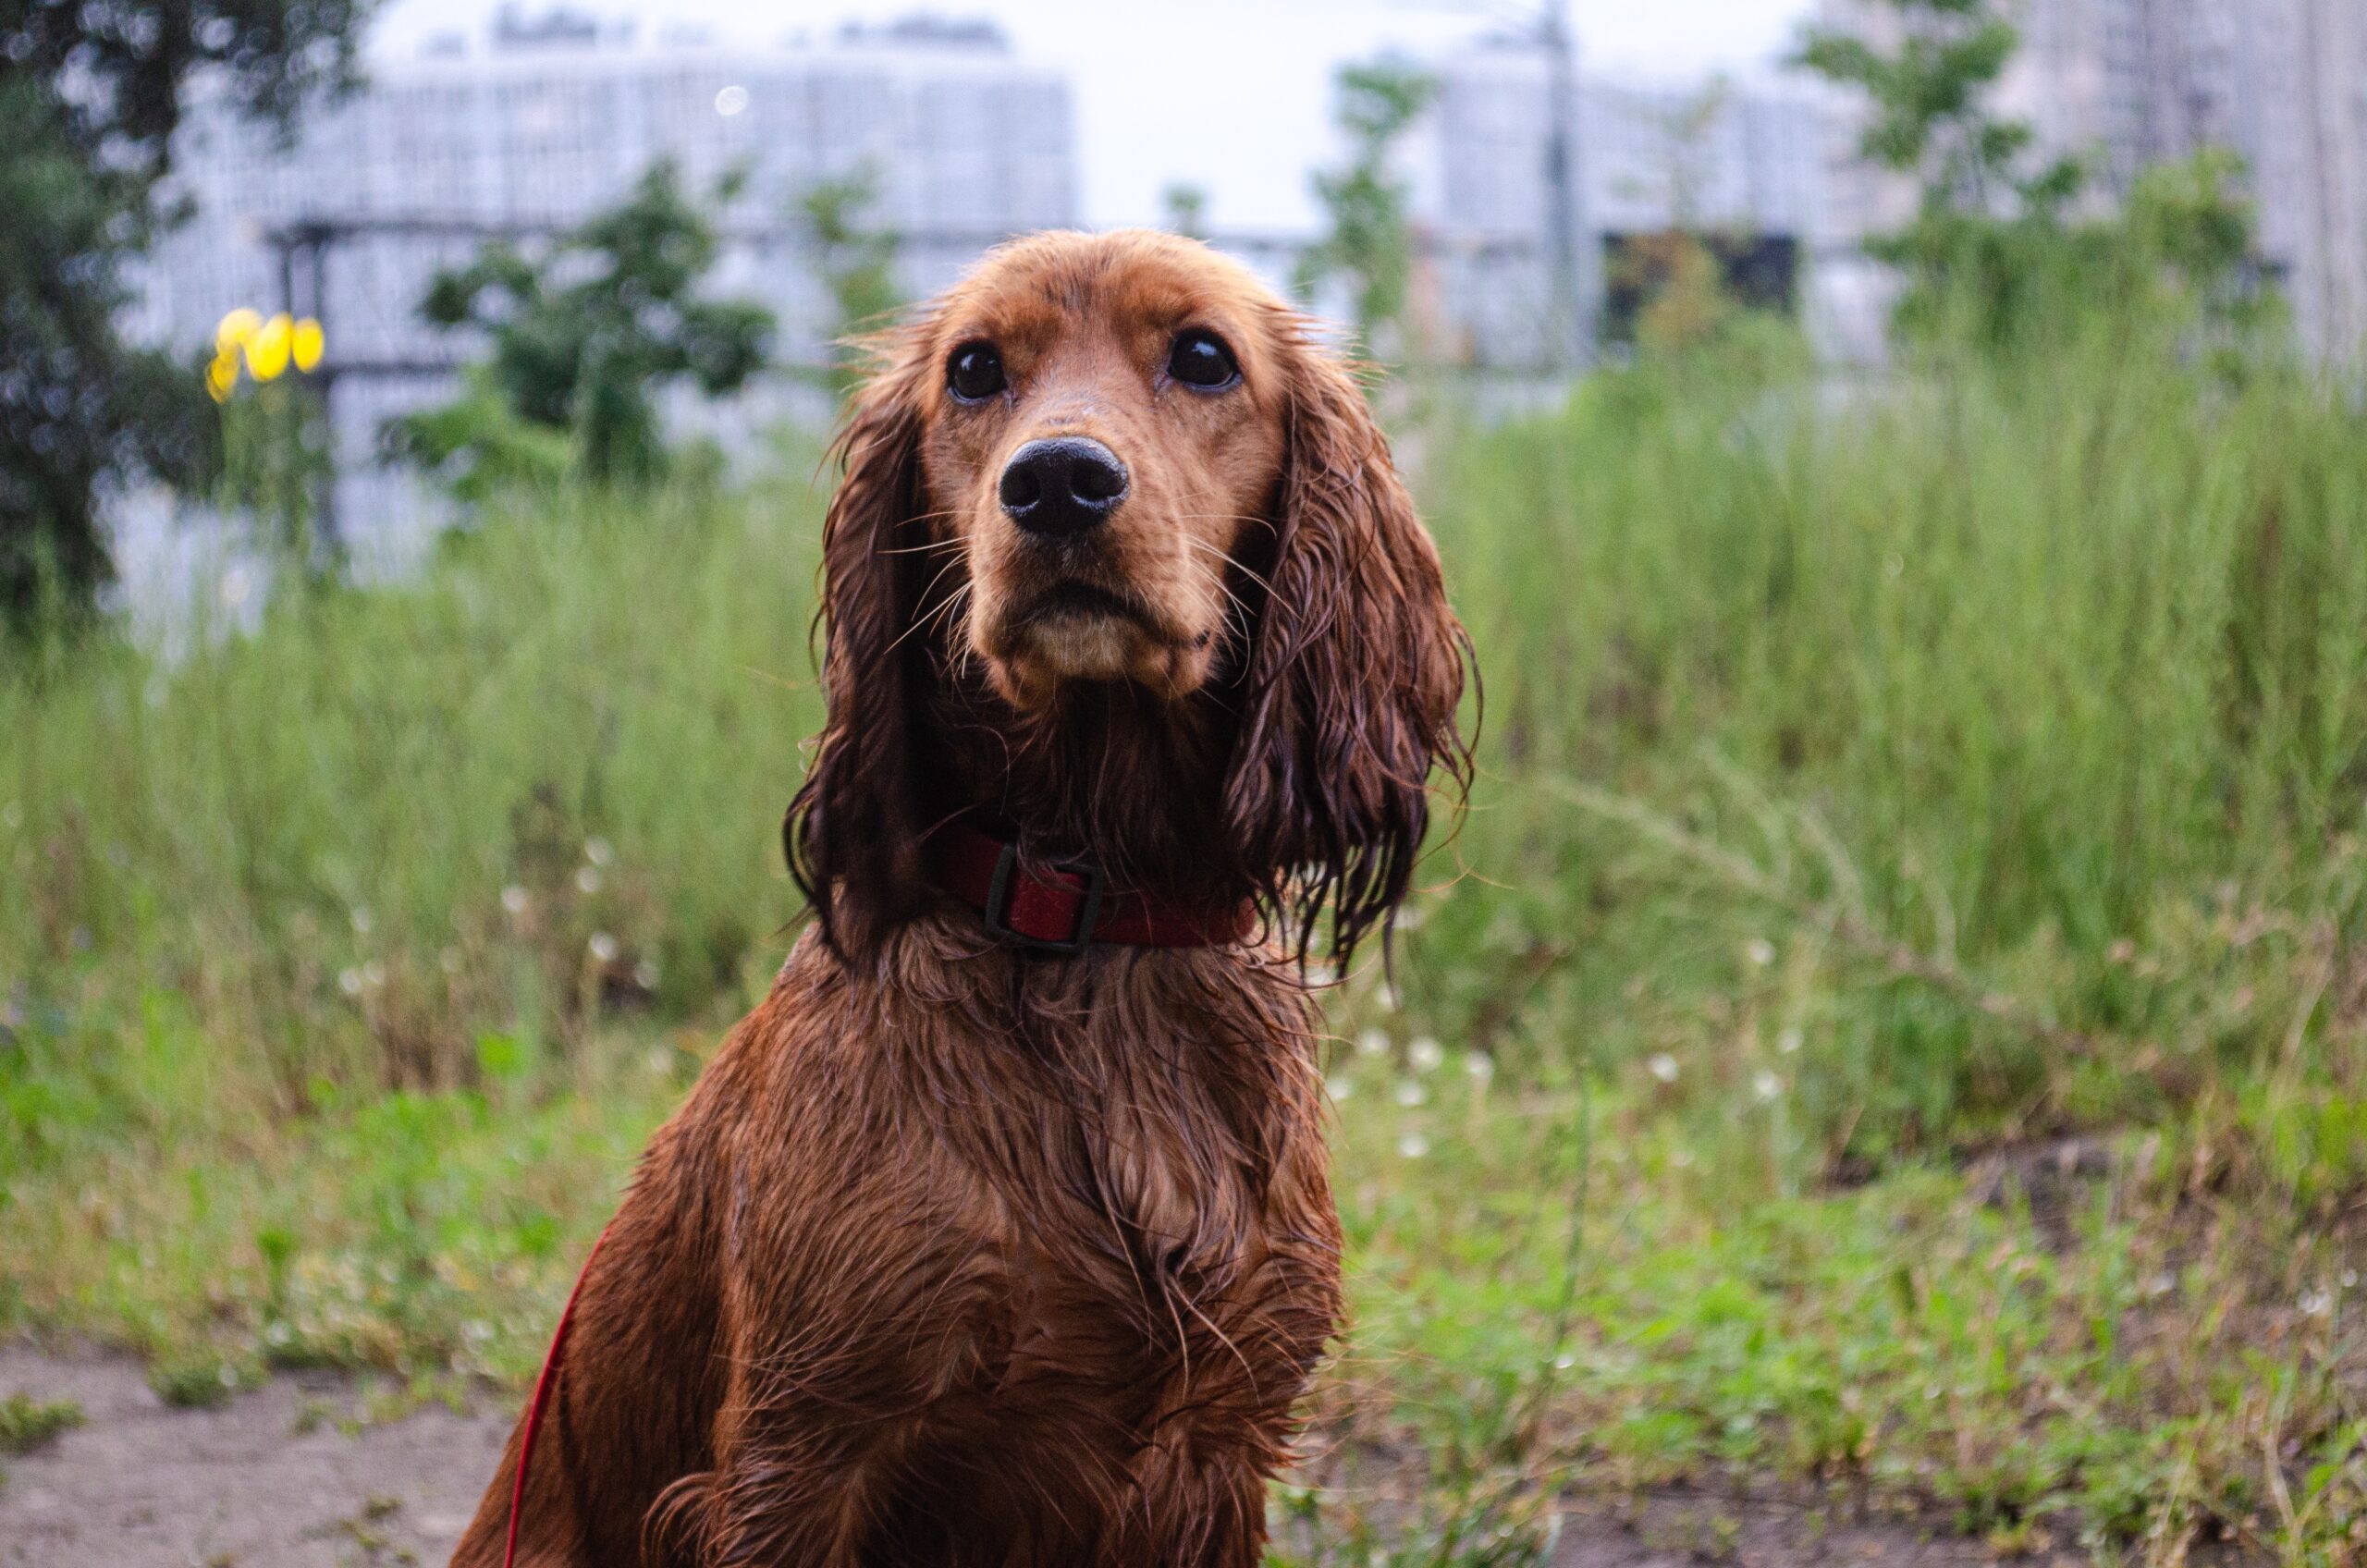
<point>853,833</point>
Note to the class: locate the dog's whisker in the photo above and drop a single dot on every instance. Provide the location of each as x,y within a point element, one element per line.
<point>1216,580</point>
<point>932,548</point>
<point>1236,563</point>
<point>949,610</point>
<point>924,620</point>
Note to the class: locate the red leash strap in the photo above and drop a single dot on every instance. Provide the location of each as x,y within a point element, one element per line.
<point>547,1381</point>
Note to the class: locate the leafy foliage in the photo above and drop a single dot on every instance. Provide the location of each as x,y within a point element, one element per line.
<point>855,261</point>
<point>481,446</point>
<point>1993,255</point>
<point>2179,250</point>
<point>585,337</point>
<point>78,407</point>
<point>1186,207</point>
<point>90,97</point>
<point>1930,115</point>
<point>1367,245</point>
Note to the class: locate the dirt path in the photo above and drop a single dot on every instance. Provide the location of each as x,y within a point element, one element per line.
<point>283,1478</point>
<point>1677,1530</point>
<point>268,1480</point>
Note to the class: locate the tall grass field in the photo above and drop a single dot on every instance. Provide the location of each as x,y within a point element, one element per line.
<point>1892,1023</point>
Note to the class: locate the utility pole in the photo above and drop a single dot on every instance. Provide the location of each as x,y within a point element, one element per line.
<point>331,534</point>
<point>313,239</point>
<point>1566,285</point>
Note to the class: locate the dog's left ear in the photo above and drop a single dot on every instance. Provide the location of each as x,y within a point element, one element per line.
<point>852,834</point>
<point>1355,677</point>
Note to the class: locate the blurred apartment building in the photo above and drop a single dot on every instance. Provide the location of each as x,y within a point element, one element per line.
<point>550,118</point>
<point>2131,83</point>
<point>1745,163</point>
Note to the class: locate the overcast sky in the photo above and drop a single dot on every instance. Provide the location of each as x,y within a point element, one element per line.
<point>1231,95</point>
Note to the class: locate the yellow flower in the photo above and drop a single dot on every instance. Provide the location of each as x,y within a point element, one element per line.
<point>235,329</point>
<point>267,348</point>
<point>307,344</point>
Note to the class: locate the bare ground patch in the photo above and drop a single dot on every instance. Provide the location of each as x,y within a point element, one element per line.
<point>283,1476</point>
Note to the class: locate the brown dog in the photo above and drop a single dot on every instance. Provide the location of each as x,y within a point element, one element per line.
<point>1002,1235</point>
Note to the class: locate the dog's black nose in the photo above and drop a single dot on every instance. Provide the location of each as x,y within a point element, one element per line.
<point>1064,485</point>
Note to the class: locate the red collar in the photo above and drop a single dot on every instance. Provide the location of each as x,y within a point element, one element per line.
<point>1074,909</point>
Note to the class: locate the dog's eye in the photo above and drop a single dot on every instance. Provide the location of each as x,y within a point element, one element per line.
<point>1200,359</point>
<point>974,373</point>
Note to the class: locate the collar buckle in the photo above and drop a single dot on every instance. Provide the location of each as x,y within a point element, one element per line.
<point>1001,893</point>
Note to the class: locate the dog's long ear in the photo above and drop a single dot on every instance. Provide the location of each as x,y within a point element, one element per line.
<point>852,834</point>
<point>1355,676</point>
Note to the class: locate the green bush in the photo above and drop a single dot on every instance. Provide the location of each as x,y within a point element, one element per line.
<point>1965,736</point>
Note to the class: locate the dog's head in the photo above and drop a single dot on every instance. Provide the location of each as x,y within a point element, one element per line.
<point>1120,459</point>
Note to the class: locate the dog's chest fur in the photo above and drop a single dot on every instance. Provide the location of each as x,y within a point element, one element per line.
<point>1030,1203</point>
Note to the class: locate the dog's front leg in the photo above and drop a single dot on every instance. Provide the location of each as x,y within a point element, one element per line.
<point>1192,1511</point>
<point>792,1490</point>
<point>633,1404</point>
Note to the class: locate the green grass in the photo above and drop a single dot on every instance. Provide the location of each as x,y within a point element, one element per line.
<point>2028,689</point>
<point>1891,1020</point>
<point>27,1423</point>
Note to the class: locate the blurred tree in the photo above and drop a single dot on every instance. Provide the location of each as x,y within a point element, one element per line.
<point>1991,253</point>
<point>1986,221</point>
<point>583,338</point>
<point>90,96</point>
<point>2187,238</point>
<point>1685,301</point>
<point>1929,115</point>
<point>2192,219</point>
<point>1368,243</point>
<point>857,263</point>
<point>1187,209</point>
<point>479,446</point>
<point>1687,154</point>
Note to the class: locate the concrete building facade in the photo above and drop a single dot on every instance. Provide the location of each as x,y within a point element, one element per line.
<point>1748,158</point>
